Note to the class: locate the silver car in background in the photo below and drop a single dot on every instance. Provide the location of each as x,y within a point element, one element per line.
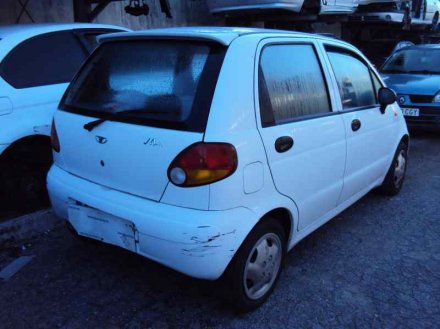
<point>420,13</point>
<point>295,6</point>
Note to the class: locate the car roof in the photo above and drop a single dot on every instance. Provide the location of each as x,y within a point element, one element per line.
<point>422,46</point>
<point>222,35</point>
<point>24,31</point>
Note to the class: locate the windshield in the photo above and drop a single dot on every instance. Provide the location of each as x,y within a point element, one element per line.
<point>423,61</point>
<point>167,84</point>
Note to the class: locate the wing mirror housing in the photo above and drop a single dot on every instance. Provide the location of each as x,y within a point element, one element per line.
<point>386,96</point>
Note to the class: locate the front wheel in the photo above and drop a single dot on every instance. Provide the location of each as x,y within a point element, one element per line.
<point>396,174</point>
<point>255,269</point>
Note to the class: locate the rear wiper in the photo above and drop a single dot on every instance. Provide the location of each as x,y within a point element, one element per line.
<point>114,116</point>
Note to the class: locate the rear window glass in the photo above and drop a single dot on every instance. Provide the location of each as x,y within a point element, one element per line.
<point>46,59</point>
<point>167,84</point>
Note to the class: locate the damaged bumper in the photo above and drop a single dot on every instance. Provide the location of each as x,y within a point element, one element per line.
<point>197,243</point>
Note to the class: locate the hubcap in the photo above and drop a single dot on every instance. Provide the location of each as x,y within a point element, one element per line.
<point>399,171</point>
<point>262,266</point>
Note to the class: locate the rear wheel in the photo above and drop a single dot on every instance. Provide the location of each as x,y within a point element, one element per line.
<point>434,26</point>
<point>255,269</point>
<point>396,174</point>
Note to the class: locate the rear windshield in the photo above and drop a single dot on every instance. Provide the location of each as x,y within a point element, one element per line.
<point>160,83</point>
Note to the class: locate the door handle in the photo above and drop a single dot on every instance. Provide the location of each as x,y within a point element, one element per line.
<point>356,125</point>
<point>283,144</point>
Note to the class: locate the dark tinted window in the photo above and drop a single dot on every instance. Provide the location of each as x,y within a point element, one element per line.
<point>354,81</point>
<point>291,84</point>
<point>43,60</point>
<point>167,84</point>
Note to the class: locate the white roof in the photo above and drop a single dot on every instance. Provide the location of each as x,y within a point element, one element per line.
<point>222,35</point>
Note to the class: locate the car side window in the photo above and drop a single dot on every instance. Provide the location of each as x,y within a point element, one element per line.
<point>354,80</point>
<point>43,60</point>
<point>291,84</point>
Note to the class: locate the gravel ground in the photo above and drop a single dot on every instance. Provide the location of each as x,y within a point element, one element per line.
<point>377,265</point>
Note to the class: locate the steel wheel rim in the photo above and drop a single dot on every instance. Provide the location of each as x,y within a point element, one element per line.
<point>262,266</point>
<point>399,171</point>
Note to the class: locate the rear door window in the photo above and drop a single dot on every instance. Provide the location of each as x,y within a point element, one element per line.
<point>291,84</point>
<point>168,84</point>
<point>46,59</point>
<point>354,80</point>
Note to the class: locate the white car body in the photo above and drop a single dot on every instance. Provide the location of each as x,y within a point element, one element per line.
<point>326,6</point>
<point>28,111</point>
<point>118,175</point>
<point>398,16</point>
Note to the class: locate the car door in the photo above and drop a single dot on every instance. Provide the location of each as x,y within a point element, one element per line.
<point>332,6</point>
<point>370,134</point>
<point>303,138</point>
<point>38,71</point>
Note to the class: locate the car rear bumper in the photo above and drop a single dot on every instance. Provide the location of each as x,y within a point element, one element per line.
<point>197,243</point>
<point>391,17</point>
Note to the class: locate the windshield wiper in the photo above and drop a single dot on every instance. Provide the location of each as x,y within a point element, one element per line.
<point>114,116</point>
<point>392,71</point>
<point>423,72</point>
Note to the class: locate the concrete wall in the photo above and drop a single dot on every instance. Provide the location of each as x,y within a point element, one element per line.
<point>185,12</point>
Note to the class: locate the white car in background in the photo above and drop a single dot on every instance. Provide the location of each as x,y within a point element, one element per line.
<point>405,13</point>
<point>37,61</point>
<point>295,6</point>
<point>215,150</point>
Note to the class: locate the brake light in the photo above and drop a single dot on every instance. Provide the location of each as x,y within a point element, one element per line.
<point>203,163</point>
<point>54,138</point>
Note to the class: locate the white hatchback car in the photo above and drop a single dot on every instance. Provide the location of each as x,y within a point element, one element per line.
<point>37,61</point>
<point>297,6</point>
<point>215,150</point>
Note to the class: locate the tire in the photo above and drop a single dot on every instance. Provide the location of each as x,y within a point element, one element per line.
<point>24,186</point>
<point>240,286</point>
<point>434,25</point>
<point>396,174</point>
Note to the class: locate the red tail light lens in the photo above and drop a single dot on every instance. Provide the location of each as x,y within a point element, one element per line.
<point>54,138</point>
<point>203,163</point>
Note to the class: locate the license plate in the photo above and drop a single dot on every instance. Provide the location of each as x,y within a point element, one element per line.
<point>410,112</point>
<point>101,226</point>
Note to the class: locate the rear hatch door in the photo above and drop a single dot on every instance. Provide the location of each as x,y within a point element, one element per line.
<point>145,101</point>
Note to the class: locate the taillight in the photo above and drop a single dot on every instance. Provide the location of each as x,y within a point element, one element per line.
<point>203,163</point>
<point>54,138</point>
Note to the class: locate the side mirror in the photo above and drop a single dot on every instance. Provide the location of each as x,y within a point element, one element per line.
<point>386,96</point>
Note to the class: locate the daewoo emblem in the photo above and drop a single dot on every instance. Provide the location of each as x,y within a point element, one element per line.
<point>402,100</point>
<point>101,140</point>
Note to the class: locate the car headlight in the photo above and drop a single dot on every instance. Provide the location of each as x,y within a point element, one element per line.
<point>436,98</point>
